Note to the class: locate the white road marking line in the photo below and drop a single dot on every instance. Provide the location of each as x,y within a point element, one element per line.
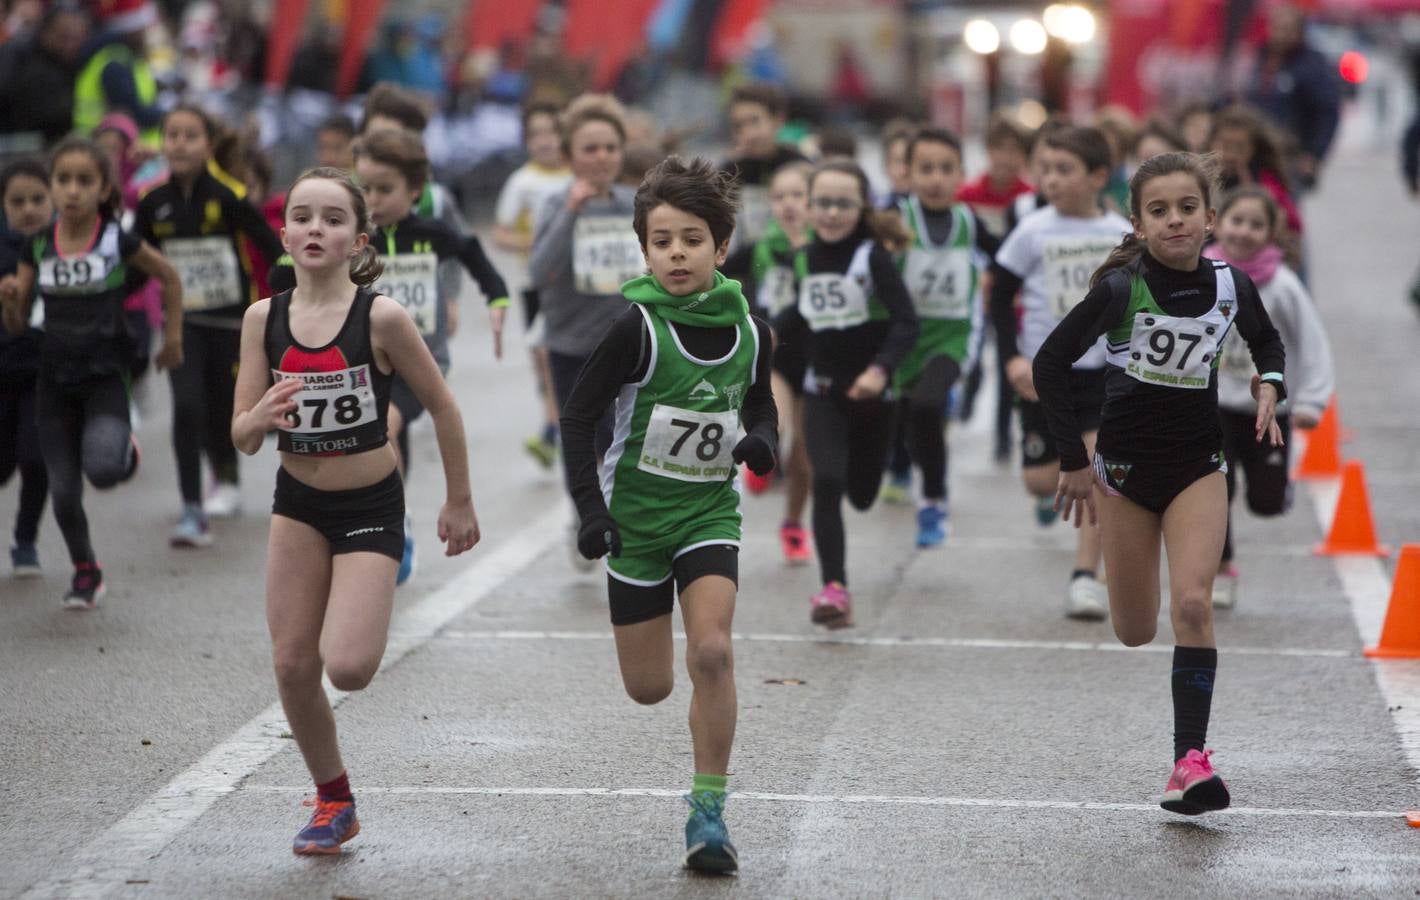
<point>909,642</point>
<point>114,856</point>
<point>1363,580</point>
<point>874,799</point>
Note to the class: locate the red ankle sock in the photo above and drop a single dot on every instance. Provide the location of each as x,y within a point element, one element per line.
<point>337,789</point>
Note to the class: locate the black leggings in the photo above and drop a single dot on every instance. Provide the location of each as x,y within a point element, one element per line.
<point>19,449</point>
<point>203,388</point>
<point>924,414</point>
<point>1269,486</point>
<point>848,443</point>
<point>83,432</point>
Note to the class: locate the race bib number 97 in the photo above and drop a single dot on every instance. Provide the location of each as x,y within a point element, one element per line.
<point>1172,352</point>
<point>605,254</point>
<point>330,401</point>
<point>690,446</point>
<point>208,267</point>
<point>1069,264</point>
<point>411,279</point>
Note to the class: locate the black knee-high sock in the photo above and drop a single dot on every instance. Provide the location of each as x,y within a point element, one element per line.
<point>1193,671</point>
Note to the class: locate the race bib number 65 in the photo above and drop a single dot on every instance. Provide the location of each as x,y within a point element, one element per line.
<point>690,446</point>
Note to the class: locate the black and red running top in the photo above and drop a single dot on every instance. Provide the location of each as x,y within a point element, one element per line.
<point>345,402</point>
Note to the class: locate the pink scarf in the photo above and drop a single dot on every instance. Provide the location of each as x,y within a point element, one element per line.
<point>1261,268</point>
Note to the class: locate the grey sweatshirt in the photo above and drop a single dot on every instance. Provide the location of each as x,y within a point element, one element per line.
<point>1310,379</point>
<point>575,320</point>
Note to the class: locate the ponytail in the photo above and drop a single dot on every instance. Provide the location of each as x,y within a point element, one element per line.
<point>366,268</point>
<point>887,228</point>
<point>1129,249</point>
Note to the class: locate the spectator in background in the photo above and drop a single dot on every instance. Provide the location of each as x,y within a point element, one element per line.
<point>37,74</point>
<point>115,76</point>
<point>1195,126</point>
<point>897,134</point>
<point>1298,88</point>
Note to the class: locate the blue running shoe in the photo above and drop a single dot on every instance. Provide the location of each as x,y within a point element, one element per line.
<point>931,526</point>
<point>333,824</point>
<point>1045,514</point>
<point>409,562</point>
<point>707,840</point>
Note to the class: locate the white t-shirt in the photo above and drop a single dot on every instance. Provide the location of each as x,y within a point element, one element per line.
<point>525,193</point>
<point>1055,256</point>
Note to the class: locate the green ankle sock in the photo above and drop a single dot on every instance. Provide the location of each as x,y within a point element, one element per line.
<point>709,784</point>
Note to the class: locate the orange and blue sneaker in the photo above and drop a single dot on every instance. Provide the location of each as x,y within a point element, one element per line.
<point>333,824</point>
<point>1194,787</point>
<point>707,840</point>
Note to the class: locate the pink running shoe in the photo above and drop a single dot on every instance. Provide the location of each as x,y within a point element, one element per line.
<point>832,607</point>
<point>795,541</point>
<point>757,484</point>
<point>1194,787</point>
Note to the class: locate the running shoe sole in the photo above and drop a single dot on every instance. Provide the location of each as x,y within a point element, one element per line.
<point>78,603</point>
<point>721,860</point>
<point>1205,796</point>
<point>830,617</point>
<point>190,541</point>
<point>313,849</point>
<point>26,572</point>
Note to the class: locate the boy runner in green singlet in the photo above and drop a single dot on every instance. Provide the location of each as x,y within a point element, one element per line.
<point>685,366</point>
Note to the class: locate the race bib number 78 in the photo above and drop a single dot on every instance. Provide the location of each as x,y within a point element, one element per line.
<point>690,446</point>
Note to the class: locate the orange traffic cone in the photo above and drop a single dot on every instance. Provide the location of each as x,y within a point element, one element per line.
<point>1322,458</point>
<point>1352,531</point>
<point>1400,636</point>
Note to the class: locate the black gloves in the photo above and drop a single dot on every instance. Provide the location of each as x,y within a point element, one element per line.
<point>755,452</point>
<point>599,536</point>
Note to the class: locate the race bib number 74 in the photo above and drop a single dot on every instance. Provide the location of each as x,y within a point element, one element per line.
<point>690,446</point>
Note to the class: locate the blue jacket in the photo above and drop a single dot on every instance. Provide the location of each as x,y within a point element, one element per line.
<point>1304,96</point>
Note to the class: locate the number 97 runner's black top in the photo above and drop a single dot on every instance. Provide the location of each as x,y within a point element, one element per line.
<point>1165,328</point>
<point>343,406</point>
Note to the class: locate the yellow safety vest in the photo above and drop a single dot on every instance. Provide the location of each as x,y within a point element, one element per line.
<point>90,101</point>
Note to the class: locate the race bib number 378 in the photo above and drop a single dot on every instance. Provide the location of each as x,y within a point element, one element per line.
<point>688,445</point>
<point>330,401</point>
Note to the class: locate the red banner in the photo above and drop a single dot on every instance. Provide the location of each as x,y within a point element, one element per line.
<point>491,22</point>
<point>287,17</point>
<point>609,35</point>
<point>1162,51</point>
<point>360,23</point>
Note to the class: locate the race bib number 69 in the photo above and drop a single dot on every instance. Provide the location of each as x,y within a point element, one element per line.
<point>690,446</point>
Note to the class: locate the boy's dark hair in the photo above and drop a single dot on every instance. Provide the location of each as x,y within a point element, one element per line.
<point>339,122</point>
<point>835,140</point>
<point>698,187</point>
<point>394,102</point>
<point>1049,126</point>
<point>1158,128</point>
<point>933,136</point>
<point>1089,144</point>
<point>25,166</point>
<point>1006,130</point>
<point>761,94</point>
<point>540,108</point>
<point>399,149</point>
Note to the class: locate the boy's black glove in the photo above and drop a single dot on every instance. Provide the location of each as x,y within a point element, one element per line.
<point>599,536</point>
<point>754,451</point>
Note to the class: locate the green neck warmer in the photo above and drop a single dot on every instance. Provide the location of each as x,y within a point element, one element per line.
<point>722,305</point>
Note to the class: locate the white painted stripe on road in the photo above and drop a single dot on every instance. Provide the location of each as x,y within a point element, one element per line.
<point>114,856</point>
<point>909,642</point>
<point>1363,579</point>
<point>872,799</point>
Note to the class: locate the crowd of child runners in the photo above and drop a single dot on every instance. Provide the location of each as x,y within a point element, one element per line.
<point>695,327</point>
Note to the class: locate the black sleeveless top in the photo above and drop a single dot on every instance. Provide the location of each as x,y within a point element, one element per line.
<point>345,402</point>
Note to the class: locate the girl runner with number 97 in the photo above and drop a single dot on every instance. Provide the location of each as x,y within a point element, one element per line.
<point>317,364</point>
<point>1158,475</point>
<point>85,268</point>
<point>858,322</point>
<point>1049,258</point>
